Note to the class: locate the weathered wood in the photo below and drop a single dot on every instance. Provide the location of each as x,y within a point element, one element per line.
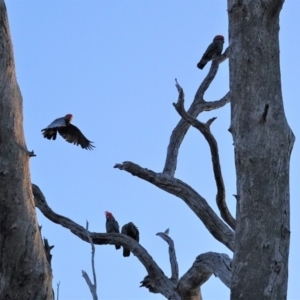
<point>172,256</point>
<point>204,128</point>
<point>24,270</point>
<point>263,143</point>
<point>198,106</point>
<point>196,203</point>
<point>205,265</point>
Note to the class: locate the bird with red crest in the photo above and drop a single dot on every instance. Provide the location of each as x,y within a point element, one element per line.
<point>112,226</point>
<point>68,131</point>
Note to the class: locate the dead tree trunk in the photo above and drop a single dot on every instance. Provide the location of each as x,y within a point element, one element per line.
<point>24,270</point>
<point>263,143</point>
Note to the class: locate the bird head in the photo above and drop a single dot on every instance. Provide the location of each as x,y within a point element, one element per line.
<point>219,38</point>
<point>109,215</point>
<point>69,117</point>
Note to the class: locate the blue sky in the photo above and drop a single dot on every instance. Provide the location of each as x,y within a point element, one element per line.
<point>112,64</point>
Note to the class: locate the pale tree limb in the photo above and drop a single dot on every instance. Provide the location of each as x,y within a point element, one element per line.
<point>204,266</point>
<point>172,256</point>
<point>92,286</point>
<point>162,283</point>
<point>198,105</point>
<point>195,202</point>
<point>204,128</point>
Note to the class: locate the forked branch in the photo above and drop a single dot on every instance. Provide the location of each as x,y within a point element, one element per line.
<point>198,105</point>
<point>204,128</point>
<point>195,202</point>
<point>172,256</point>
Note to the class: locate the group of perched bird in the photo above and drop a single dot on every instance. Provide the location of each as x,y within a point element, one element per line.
<point>129,229</point>
<point>73,135</point>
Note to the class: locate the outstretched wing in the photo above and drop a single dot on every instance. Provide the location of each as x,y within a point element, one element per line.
<point>50,131</point>
<point>73,135</point>
<point>57,123</point>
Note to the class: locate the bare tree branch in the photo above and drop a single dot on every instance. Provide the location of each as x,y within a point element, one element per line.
<point>195,202</point>
<point>198,106</point>
<point>163,284</point>
<point>93,287</point>
<point>89,283</point>
<point>205,130</point>
<point>204,266</point>
<point>57,291</point>
<point>172,256</point>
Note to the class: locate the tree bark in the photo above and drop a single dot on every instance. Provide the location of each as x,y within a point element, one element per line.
<point>24,270</point>
<point>263,143</point>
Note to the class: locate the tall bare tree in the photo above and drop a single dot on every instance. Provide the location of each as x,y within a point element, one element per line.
<point>25,272</point>
<point>263,141</point>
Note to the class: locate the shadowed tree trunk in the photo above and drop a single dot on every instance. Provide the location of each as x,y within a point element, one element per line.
<point>24,270</point>
<point>263,142</point>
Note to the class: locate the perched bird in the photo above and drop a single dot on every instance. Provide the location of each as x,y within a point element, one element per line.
<point>214,49</point>
<point>68,131</point>
<point>112,225</point>
<point>131,230</point>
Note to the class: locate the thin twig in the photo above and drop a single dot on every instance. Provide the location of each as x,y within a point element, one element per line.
<point>172,255</point>
<point>57,290</point>
<point>92,286</point>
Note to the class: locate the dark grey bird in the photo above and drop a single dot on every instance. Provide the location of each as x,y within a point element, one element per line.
<point>112,225</point>
<point>214,49</point>
<point>131,230</point>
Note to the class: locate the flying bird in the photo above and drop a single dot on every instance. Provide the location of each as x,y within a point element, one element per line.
<point>68,131</point>
<point>214,49</point>
<point>131,230</point>
<point>112,225</point>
